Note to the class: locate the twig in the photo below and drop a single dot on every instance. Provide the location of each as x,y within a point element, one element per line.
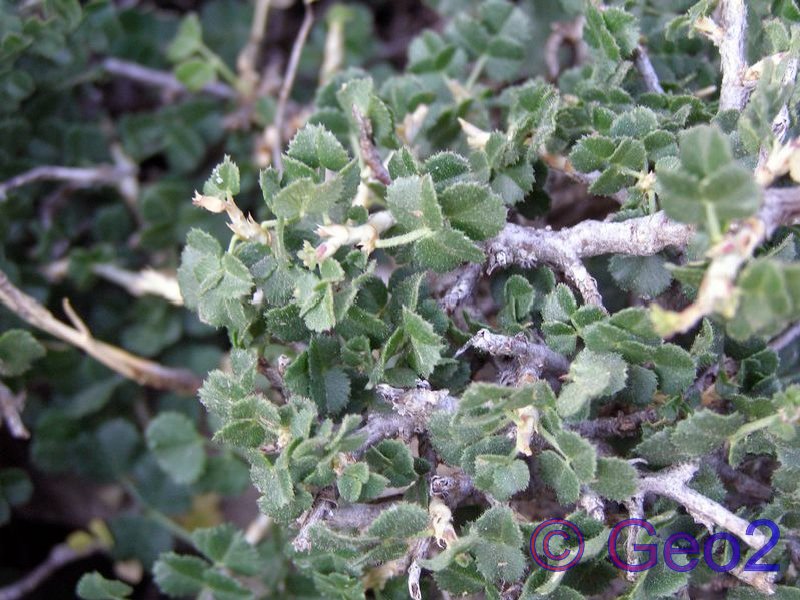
<point>672,484</point>
<point>161,79</point>
<point>642,61</point>
<point>715,295</point>
<point>635,506</point>
<point>410,412</point>
<point>11,405</point>
<point>105,174</point>
<point>142,283</point>
<point>620,426</point>
<point>565,32</point>
<point>369,153</point>
<point>565,249</point>
<point>414,570</point>
<point>257,529</point>
<point>288,83</point>
<point>246,61</point>
<point>144,372</point>
<point>785,338</point>
<point>467,279</point>
<point>732,50</point>
<point>60,556</point>
<point>537,357</point>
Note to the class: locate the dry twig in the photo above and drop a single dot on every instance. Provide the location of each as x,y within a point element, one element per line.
<point>673,484</point>
<point>642,61</point>
<point>144,372</point>
<point>161,79</point>
<point>11,405</point>
<point>286,88</point>
<point>538,358</point>
<point>60,556</point>
<point>732,51</point>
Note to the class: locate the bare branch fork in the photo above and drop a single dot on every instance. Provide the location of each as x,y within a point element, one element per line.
<point>143,371</point>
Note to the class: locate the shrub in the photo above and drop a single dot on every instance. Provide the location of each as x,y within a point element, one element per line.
<point>541,265</point>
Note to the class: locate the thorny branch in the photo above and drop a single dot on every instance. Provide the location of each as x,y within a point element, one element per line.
<point>144,372</point>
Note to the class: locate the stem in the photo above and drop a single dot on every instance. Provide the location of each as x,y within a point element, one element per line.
<point>288,83</point>
<point>477,69</point>
<point>223,69</point>
<point>156,515</point>
<point>406,238</point>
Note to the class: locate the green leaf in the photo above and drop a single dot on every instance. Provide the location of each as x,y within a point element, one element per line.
<point>518,296</point>
<point>426,345</point>
<point>179,576</point>
<point>474,209</point>
<point>351,481</point>
<point>225,546</point>
<point>636,123</point>
<point>412,201</point>
<point>765,302</point>
<point>402,521</point>
<point>224,180</point>
<point>497,550</point>
<point>675,368</point>
<point>703,432</point>
<point>592,153</point>
<point>177,446</point>
<point>188,39</point>
<point>18,349</point>
<point>317,147</point>
<point>392,459</point>
<point>559,305</point>
<point>446,169</point>
<point>93,586</point>
<point>708,187</point>
<point>195,73</point>
<point>643,275</point>
<point>616,479</point>
<point>445,250</point>
<point>305,197</point>
<point>500,476</point>
<point>580,453</point>
<point>559,476</point>
<point>591,375</point>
